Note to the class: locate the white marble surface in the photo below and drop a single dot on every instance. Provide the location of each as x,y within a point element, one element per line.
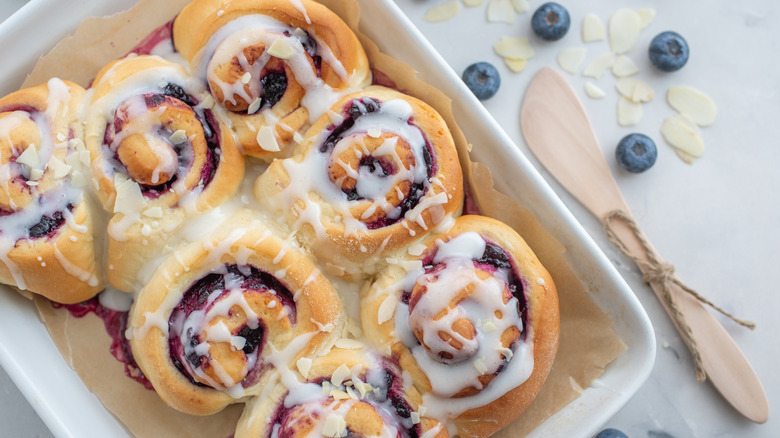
<point>714,220</point>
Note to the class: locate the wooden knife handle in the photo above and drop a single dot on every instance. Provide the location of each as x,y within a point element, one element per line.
<point>719,356</point>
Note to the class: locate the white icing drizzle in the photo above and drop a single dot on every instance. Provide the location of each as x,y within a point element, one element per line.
<point>59,192</point>
<point>250,30</point>
<point>482,355</point>
<point>310,174</point>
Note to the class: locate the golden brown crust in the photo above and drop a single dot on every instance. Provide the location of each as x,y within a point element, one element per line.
<point>543,324</point>
<point>62,264</point>
<point>343,67</point>
<point>246,242</point>
<point>350,250</point>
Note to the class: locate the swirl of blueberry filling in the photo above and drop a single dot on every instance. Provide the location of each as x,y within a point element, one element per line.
<point>184,143</point>
<point>218,330</point>
<point>392,180</point>
<point>467,309</point>
<point>383,408</point>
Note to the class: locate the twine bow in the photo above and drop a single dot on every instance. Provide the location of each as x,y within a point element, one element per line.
<point>661,273</point>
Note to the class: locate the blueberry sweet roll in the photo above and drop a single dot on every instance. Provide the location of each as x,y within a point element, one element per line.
<point>159,155</point>
<point>275,66</point>
<point>206,327</point>
<point>348,392</point>
<point>47,244</point>
<point>473,317</point>
<point>374,174</point>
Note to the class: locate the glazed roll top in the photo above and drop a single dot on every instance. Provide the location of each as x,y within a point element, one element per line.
<point>159,155</point>
<point>47,244</point>
<point>275,67</point>
<point>376,173</point>
<point>473,317</point>
<point>347,392</point>
<point>208,327</point>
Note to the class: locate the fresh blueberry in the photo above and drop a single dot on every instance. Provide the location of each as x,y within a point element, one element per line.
<point>636,153</point>
<point>483,79</point>
<point>611,433</point>
<point>551,21</point>
<point>669,51</point>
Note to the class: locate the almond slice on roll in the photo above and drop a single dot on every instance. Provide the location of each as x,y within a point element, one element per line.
<point>207,329</point>
<point>352,392</point>
<point>275,66</point>
<point>473,318</point>
<point>376,173</point>
<point>47,245</point>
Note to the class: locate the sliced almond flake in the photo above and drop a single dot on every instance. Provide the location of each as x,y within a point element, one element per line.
<point>349,344</point>
<point>281,49</point>
<point>339,375</point>
<point>473,3</point>
<point>29,157</point>
<point>416,249</point>
<point>516,65</point>
<point>208,102</point>
<point>339,394</point>
<point>351,393</point>
<point>60,169</point>
<point>500,11</point>
<point>624,27</point>
<point>598,66</point>
<point>571,59</point>
<point>506,352</point>
<point>593,29</point>
<point>521,6</point>
<point>624,66</point>
<point>692,103</point>
<point>593,91</point>
<point>179,137</point>
<point>374,132</point>
<point>686,157</point>
<point>634,89</point>
<point>85,158</point>
<point>129,198</point>
<point>479,364</point>
<point>415,417</point>
<point>253,107</point>
<point>61,137</point>
<point>36,174</point>
<point>153,212</point>
<point>646,16</point>
<point>683,134</point>
<point>246,78</point>
<point>32,183</point>
<point>442,12</point>
<point>488,326</point>
<point>629,113</point>
<point>326,388</point>
<point>411,265</point>
<point>514,48</point>
<point>335,426</point>
<point>304,365</point>
<point>266,138</point>
<point>386,310</point>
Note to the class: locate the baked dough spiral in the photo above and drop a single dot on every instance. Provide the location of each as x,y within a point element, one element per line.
<point>159,155</point>
<point>47,244</point>
<point>473,317</point>
<point>373,175</point>
<point>348,392</point>
<point>274,65</point>
<point>206,327</point>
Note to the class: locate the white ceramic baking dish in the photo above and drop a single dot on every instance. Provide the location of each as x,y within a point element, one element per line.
<point>69,409</point>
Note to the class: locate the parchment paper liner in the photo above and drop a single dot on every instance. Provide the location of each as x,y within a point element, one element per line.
<point>587,345</point>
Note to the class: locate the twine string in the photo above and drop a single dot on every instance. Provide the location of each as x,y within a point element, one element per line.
<point>661,273</point>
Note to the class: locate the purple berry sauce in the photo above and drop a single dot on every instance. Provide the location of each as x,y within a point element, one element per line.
<point>197,298</point>
<point>116,324</point>
<point>364,107</point>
